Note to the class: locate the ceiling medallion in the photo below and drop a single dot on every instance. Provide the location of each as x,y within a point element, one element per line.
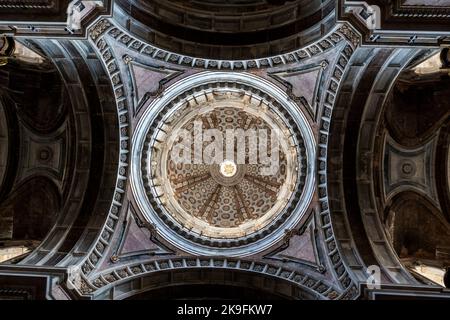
<point>223,164</point>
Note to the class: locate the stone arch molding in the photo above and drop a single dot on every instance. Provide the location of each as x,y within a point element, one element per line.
<point>104,32</point>
<point>124,282</point>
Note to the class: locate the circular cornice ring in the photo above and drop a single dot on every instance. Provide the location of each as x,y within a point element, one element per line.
<point>174,234</point>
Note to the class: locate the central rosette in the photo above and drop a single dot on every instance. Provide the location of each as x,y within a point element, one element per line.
<point>223,165</point>
<point>228,168</point>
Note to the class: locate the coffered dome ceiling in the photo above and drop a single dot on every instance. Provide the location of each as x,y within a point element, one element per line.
<point>217,191</point>
<point>228,29</point>
<point>238,144</point>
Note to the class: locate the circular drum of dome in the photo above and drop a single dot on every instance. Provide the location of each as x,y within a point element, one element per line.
<point>223,164</point>
<point>227,29</point>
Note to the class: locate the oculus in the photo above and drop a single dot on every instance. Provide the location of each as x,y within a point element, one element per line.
<point>224,162</point>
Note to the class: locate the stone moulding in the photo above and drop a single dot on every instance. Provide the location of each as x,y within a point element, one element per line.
<point>342,32</point>
<point>306,283</point>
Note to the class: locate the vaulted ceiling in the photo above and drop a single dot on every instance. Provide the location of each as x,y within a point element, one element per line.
<point>92,98</point>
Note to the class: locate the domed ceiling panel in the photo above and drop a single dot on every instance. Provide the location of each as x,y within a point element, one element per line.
<point>227,30</point>
<point>200,213</point>
<point>4,144</point>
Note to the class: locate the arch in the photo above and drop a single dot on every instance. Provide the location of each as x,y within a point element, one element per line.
<point>212,30</point>
<point>350,163</point>
<point>285,284</point>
